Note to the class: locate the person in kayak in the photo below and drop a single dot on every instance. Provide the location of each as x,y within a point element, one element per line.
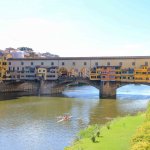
<point>66,117</point>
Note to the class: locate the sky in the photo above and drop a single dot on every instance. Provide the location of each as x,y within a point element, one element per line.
<point>77,27</point>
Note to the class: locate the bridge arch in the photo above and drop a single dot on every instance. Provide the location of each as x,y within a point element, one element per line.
<point>65,82</point>
<point>109,89</point>
<point>132,86</point>
<point>126,84</point>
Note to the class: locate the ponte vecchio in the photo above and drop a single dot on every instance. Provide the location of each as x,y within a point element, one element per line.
<point>51,75</point>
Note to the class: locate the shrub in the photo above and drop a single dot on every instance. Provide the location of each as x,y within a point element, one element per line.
<point>89,131</point>
<point>93,138</point>
<point>141,146</point>
<point>142,134</point>
<point>98,133</point>
<point>141,139</point>
<point>108,126</point>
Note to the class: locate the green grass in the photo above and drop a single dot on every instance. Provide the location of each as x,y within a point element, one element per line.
<point>113,136</point>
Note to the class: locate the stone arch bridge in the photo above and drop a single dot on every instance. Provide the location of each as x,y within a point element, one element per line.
<point>107,89</point>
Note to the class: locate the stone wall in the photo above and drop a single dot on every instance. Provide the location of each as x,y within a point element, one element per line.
<point>107,89</point>
<point>28,86</point>
<point>32,87</point>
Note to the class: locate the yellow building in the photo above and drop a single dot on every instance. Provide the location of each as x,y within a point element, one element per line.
<point>105,73</point>
<point>142,74</point>
<point>127,75</point>
<point>41,72</point>
<point>95,73</point>
<point>148,74</point>
<point>4,66</point>
<point>118,74</point>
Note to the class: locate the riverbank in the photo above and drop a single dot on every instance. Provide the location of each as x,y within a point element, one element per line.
<point>141,139</point>
<point>115,135</point>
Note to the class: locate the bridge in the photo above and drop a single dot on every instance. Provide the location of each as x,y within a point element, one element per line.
<point>51,75</point>
<point>107,89</point>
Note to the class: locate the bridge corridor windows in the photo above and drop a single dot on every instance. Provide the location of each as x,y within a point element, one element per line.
<point>73,63</point>
<point>133,63</point>
<point>120,63</point>
<point>108,63</point>
<point>96,63</point>
<point>146,63</point>
<point>42,63</point>
<point>85,63</point>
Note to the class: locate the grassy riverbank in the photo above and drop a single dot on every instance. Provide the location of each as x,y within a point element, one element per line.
<point>141,139</point>
<point>115,135</point>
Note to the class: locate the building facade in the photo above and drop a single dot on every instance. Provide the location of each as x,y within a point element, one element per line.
<point>4,66</point>
<point>123,69</point>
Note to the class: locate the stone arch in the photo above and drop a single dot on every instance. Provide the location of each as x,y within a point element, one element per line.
<point>130,83</point>
<point>63,84</point>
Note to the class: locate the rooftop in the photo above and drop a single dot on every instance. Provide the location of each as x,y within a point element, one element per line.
<point>84,58</point>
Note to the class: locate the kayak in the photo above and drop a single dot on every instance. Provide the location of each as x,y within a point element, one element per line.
<point>64,119</point>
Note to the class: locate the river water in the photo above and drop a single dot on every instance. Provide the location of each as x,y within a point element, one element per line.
<point>30,122</point>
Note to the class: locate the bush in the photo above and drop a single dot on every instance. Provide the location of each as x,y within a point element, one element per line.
<point>98,134</point>
<point>141,139</point>
<point>89,131</point>
<point>142,134</point>
<point>108,126</point>
<point>93,138</point>
<point>141,146</point>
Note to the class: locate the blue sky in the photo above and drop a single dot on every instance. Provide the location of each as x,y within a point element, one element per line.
<point>77,27</point>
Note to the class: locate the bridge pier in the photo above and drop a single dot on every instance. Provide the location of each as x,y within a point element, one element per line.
<point>108,89</point>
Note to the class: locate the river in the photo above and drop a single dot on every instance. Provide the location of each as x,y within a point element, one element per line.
<point>30,122</point>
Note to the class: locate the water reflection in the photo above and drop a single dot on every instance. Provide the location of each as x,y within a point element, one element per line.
<point>104,111</point>
<point>30,122</point>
